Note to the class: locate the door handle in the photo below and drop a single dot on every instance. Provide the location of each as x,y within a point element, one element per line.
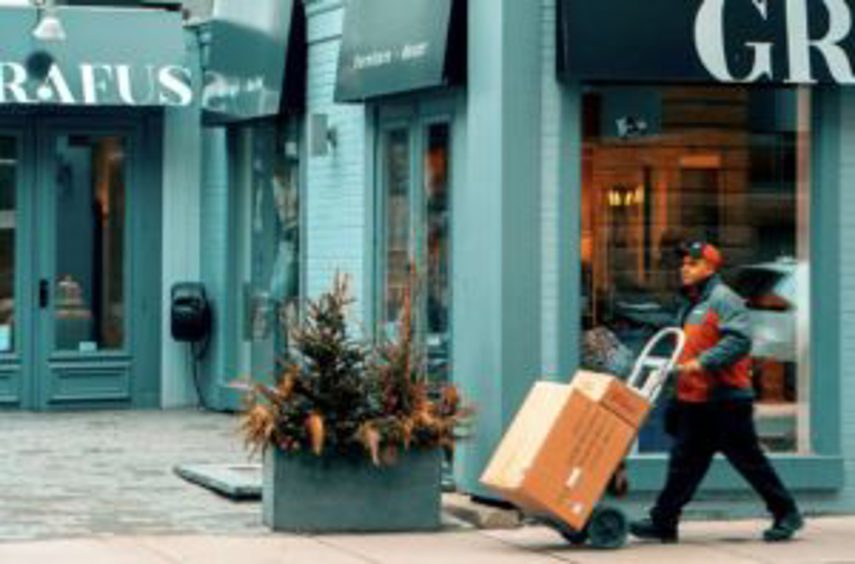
<point>44,293</point>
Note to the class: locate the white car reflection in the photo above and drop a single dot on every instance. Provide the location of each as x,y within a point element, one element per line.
<point>776,294</point>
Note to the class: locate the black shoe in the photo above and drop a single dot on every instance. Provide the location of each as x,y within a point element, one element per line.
<point>650,530</point>
<point>784,527</point>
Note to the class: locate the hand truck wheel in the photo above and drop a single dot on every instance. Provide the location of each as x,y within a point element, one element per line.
<point>573,536</point>
<point>569,534</point>
<point>607,528</point>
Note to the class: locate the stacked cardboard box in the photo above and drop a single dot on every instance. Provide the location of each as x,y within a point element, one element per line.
<point>564,444</point>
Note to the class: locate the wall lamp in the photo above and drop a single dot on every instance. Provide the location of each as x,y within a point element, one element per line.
<point>48,28</point>
<point>630,127</point>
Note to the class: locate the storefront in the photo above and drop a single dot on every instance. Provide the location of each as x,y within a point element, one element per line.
<point>82,173</point>
<point>253,101</point>
<point>540,195</point>
<point>719,123</point>
<point>408,67</point>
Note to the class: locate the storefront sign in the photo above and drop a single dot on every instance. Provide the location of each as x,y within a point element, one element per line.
<point>730,41</point>
<point>391,46</point>
<point>116,57</point>
<point>256,60</point>
<point>96,84</point>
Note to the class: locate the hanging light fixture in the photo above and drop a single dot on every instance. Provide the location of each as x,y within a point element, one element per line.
<point>48,28</point>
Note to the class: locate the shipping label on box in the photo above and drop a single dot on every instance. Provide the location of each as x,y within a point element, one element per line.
<point>578,459</point>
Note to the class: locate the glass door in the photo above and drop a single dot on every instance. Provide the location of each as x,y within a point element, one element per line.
<point>414,229</point>
<point>266,243</point>
<point>435,246</point>
<point>14,312</point>
<point>83,287</point>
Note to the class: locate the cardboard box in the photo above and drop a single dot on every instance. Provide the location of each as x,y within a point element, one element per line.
<point>523,441</point>
<point>564,444</point>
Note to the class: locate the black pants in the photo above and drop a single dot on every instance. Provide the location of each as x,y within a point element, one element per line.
<point>700,431</point>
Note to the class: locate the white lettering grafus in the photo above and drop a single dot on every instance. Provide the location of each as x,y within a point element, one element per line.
<point>710,43</point>
<point>97,84</point>
<point>12,79</point>
<point>175,86</point>
<point>799,45</point>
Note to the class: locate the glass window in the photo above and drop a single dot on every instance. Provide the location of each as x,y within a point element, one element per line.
<point>396,227</point>
<point>90,243</point>
<point>267,242</point>
<point>415,211</point>
<point>8,228</point>
<point>437,249</point>
<point>728,165</point>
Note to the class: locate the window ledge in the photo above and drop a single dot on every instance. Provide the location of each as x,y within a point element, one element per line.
<point>799,473</point>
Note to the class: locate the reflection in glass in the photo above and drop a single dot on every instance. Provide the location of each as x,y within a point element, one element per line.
<point>8,226</point>
<point>89,297</point>
<point>723,164</point>
<point>265,247</point>
<point>437,282</point>
<point>397,226</point>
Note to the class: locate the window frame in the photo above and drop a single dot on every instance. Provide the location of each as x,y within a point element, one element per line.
<point>822,469</point>
<point>416,117</point>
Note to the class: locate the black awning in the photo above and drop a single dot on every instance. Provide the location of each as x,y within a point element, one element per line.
<point>627,40</point>
<point>703,41</point>
<point>255,65</point>
<point>394,46</point>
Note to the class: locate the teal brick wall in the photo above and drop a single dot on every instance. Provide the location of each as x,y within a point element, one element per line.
<point>559,215</point>
<point>217,368</point>
<point>181,226</point>
<point>550,207</point>
<point>335,212</point>
<point>847,297</point>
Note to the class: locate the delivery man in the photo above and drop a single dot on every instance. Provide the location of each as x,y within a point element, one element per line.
<point>713,411</point>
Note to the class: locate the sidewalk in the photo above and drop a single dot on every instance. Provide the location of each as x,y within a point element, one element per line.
<point>826,540</point>
<point>87,474</point>
<point>98,488</point>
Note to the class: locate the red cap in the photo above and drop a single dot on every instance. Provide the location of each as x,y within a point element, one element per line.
<point>706,251</point>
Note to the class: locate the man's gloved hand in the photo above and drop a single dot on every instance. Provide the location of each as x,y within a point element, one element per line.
<point>693,365</point>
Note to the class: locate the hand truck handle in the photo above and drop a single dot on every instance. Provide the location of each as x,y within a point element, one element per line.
<point>651,372</point>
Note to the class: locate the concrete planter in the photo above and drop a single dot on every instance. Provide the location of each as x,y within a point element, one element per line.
<point>338,493</point>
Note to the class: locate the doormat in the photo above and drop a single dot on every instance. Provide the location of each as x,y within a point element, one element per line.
<point>240,482</point>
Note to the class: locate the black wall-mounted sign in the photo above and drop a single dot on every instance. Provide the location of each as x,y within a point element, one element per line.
<point>711,41</point>
<point>255,65</point>
<point>393,46</point>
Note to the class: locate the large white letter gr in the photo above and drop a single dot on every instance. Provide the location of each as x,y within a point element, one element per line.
<point>710,44</point>
<point>840,24</point>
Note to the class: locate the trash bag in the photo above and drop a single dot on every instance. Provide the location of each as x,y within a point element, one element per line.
<point>602,351</point>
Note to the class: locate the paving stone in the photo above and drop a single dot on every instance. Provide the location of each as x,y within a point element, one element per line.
<point>479,515</point>
<point>108,473</point>
<point>235,481</point>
